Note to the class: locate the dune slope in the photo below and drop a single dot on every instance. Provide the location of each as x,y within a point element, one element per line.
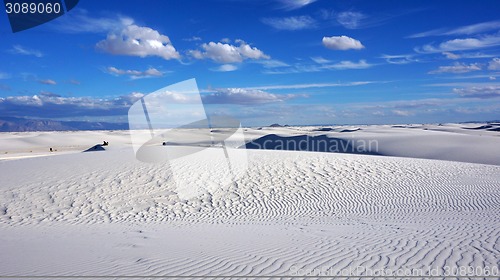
<point>105,213</point>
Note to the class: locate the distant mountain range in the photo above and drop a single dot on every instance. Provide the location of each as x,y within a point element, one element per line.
<point>13,124</point>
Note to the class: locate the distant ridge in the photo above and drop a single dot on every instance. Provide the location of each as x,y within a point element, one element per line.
<point>493,121</point>
<point>13,124</point>
<point>278,125</point>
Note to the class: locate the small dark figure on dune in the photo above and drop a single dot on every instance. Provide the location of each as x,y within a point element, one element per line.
<point>51,149</point>
<point>105,143</point>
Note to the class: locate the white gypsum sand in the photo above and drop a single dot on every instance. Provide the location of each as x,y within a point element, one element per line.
<point>105,213</point>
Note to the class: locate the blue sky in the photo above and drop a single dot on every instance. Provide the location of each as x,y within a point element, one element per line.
<point>274,61</point>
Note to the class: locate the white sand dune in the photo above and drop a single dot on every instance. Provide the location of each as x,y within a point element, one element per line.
<point>105,213</point>
<point>455,142</point>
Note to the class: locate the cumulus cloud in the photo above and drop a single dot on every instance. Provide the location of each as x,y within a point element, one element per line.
<point>135,74</point>
<point>227,53</point>
<point>457,68</point>
<point>489,91</point>
<point>123,36</point>
<point>18,49</point>
<point>350,20</point>
<point>47,82</point>
<point>50,105</point>
<point>342,43</point>
<point>139,41</point>
<point>494,64</point>
<point>461,44</point>
<point>291,23</point>
<point>245,96</point>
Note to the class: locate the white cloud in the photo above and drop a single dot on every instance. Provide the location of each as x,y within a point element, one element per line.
<point>123,36</point>
<point>139,41</point>
<point>291,23</point>
<point>17,49</point>
<point>457,68</point>
<point>494,64</point>
<point>463,30</point>
<point>245,96</point>
<point>470,43</point>
<point>78,21</point>
<point>399,59</point>
<point>490,91</point>
<point>475,28</point>
<point>192,39</point>
<point>402,113</point>
<point>479,76</point>
<point>250,52</point>
<point>294,4</point>
<point>130,98</point>
<point>225,68</point>
<point>47,82</point>
<point>305,86</point>
<point>219,52</point>
<point>455,56</point>
<point>309,68</point>
<point>49,94</point>
<point>451,55</point>
<point>272,63</point>
<point>49,105</point>
<point>320,60</point>
<point>135,74</point>
<point>346,64</point>
<point>464,84</point>
<point>462,44</point>
<point>296,68</point>
<point>342,43</point>
<point>350,20</point>
<point>227,53</point>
